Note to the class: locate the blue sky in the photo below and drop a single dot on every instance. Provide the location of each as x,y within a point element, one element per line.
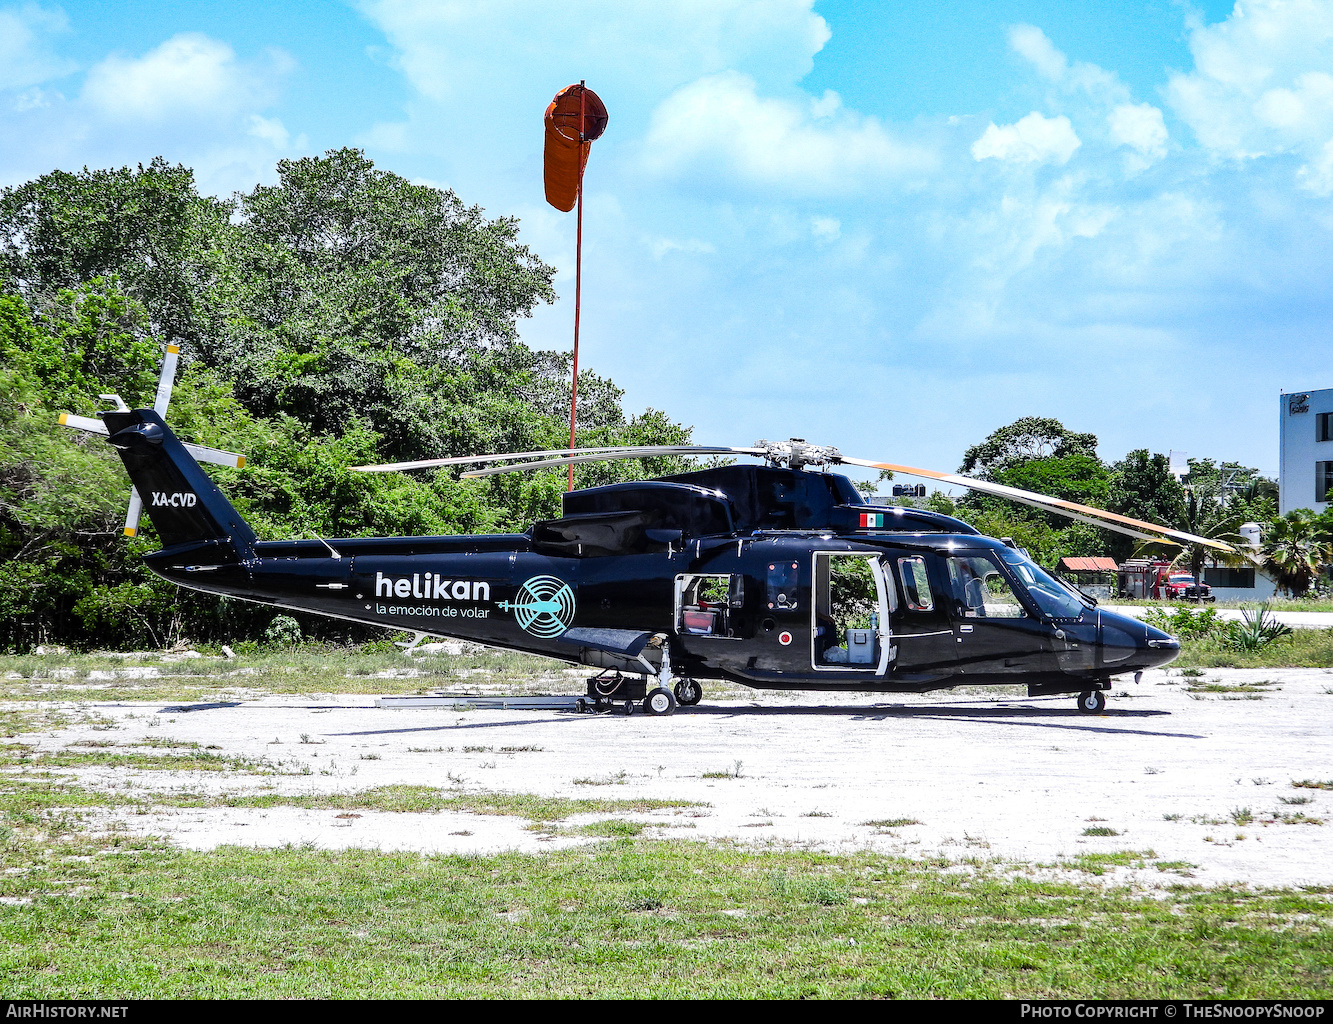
<point>888,226</point>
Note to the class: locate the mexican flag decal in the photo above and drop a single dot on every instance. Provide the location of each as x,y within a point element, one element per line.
<point>872,519</point>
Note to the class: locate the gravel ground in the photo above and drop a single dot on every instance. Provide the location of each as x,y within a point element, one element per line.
<point>1009,778</point>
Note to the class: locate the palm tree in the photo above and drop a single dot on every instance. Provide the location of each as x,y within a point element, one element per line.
<point>1294,551</point>
<point>1215,522</point>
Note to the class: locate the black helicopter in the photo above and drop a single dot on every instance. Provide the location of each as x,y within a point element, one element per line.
<point>774,576</point>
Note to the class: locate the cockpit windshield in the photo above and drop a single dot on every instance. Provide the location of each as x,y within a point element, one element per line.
<point>1050,596</point>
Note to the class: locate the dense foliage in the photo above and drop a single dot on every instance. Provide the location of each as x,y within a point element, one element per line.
<point>340,317</point>
<point>1040,454</point>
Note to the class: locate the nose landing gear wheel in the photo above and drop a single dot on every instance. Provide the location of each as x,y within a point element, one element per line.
<point>1090,702</point>
<point>659,702</point>
<point>689,693</point>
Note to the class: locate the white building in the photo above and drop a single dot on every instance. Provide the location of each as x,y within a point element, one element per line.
<point>1305,438</point>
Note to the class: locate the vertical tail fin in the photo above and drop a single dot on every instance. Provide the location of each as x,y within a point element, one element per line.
<point>185,506</point>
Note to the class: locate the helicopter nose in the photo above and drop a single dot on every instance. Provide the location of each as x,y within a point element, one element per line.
<point>1159,648</point>
<point>1132,645</point>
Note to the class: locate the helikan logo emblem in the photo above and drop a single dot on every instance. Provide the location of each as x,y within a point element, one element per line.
<point>543,606</point>
<point>177,499</point>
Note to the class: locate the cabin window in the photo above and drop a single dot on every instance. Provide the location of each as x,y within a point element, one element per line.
<point>704,604</point>
<point>916,584</point>
<point>981,591</point>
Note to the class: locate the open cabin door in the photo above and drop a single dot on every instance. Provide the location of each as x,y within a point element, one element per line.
<point>851,610</point>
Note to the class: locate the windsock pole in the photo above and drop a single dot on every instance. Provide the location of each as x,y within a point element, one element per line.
<point>578,279</point>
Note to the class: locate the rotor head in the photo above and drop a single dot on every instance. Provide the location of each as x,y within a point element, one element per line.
<point>794,453</point>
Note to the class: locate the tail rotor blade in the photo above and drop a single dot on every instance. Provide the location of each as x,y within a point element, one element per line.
<point>133,513</point>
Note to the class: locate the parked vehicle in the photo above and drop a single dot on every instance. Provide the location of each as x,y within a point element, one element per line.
<point>1181,586</point>
<point>1154,579</point>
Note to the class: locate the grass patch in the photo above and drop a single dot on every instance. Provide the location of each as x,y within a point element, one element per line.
<point>1215,687</point>
<point>21,756</point>
<point>891,822</point>
<point>1101,863</point>
<point>612,828</point>
<point>734,772</point>
<point>1312,784</point>
<point>1305,648</point>
<point>420,799</point>
<point>1100,830</point>
<point>630,919</point>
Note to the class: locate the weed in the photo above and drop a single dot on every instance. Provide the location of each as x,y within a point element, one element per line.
<point>1312,784</point>
<point>891,822</point>
<point>733,773</point>
<point>1296,800</point>
<point>1171,817</point>
<point>1100,830</point>
<point>1242,815</point>
<point>618,779</point>
<point>640,901</point>
<point>613,828</point>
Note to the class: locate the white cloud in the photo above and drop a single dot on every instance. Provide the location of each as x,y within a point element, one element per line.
<point>1032,139</point>
<point>188,74</point>
<point>1031,43</point>
<point>630,53</point>
<point>826,229</point>
<point>190,99</point>
<point>26,57</point>
<point>1262,84</point>
<point>661,246</point>
<point>1140,126</point>
<point>720,124</point>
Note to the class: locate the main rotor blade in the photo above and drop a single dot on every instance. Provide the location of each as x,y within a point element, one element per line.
<point>641,452</point>
<point>1071,509</point>
<point>388,467</point>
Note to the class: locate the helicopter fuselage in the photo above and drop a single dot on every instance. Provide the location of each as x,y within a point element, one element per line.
<point>767,576</point>
<point>772,622</point>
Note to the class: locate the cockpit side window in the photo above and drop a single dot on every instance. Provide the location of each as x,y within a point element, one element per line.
<point>981,590</point>
<point>916,583</point>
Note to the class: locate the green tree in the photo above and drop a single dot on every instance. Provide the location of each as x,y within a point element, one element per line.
<point>1294,549</point>
<point>147,226</point>
<point>348,292</point>
<point>1024,440</point>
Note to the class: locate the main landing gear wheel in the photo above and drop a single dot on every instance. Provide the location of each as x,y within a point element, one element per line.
<point>659,702</point>
<point>1091,702</point>
<point>689,693</point>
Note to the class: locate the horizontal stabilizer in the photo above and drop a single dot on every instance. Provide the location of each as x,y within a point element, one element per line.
<point>201,453</point>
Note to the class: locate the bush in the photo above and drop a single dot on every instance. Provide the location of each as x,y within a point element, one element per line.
<point>1186,624</point>
<point>283,631</point>
<point>1257,631</point>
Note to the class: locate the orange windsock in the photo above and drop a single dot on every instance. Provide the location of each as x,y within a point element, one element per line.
<point>565,155</point>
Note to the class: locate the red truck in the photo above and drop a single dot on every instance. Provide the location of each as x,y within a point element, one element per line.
<point>1154,579</point>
